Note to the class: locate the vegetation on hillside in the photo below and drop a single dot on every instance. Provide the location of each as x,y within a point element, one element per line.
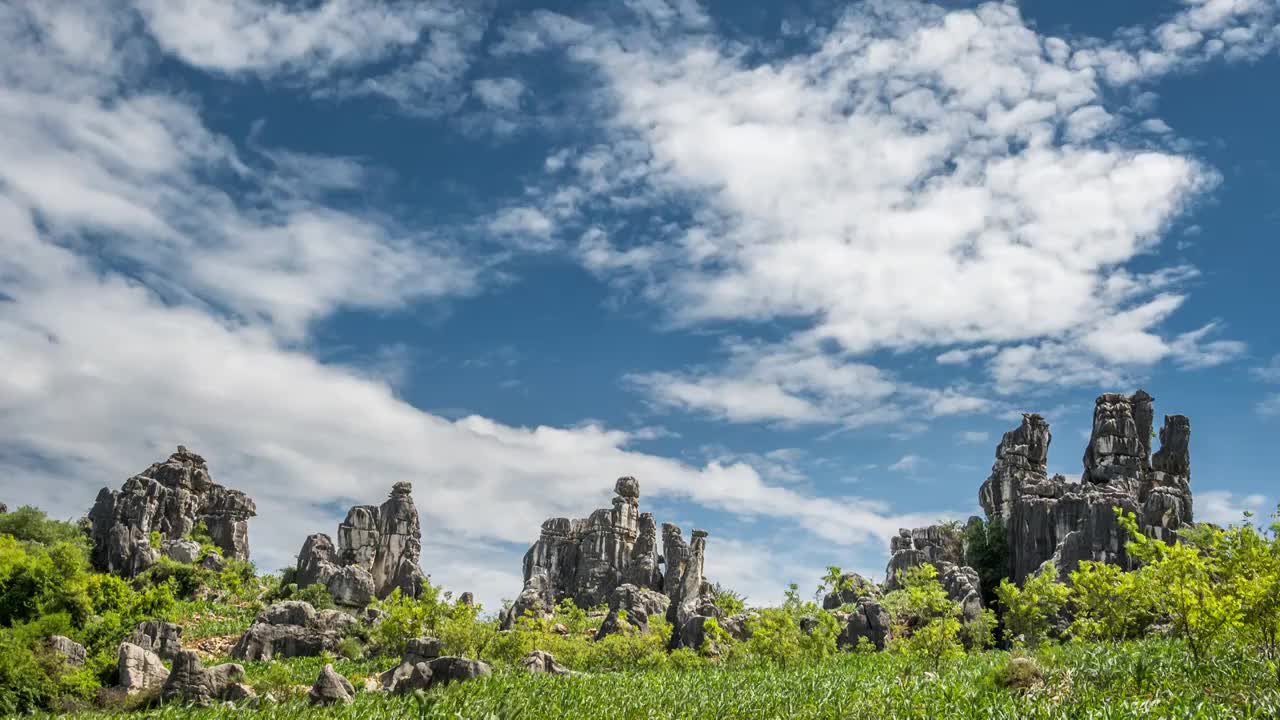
<point>1193,632</point>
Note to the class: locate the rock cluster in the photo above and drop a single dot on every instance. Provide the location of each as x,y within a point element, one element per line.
<point>422,668</point>
<point>1053,519</point>
<point>612,556</point>
<point>379,550</point>
<point>139,670</point>
<point>934,544</point>
<point>168,498</point>
<point>191,682</point>
<point>292,629</point>
<point>162,638</point>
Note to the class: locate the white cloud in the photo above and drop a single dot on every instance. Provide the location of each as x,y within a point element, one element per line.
<point>796,384</point>
<point>501,94</point>
<point>922,179</point>
<point>1269,373</point>
<point>1269,405</point>
<point>907,463</point>
<point>1222,507</point>
<point>973,437</point>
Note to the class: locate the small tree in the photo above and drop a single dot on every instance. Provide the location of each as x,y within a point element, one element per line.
<point>926,622</point>
<point>1191,581</point>
<point>1029,611</point>
<point>1110,604</point>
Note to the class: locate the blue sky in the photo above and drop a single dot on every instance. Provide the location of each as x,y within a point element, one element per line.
<point>794,266</point>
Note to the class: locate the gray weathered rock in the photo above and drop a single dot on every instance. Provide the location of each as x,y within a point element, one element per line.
<point>70,650</point>
<point>539,662</point>
<point>291,629</point>
<point>638,603</point>
<point>933,544</point>
<point>169,498</point>
<point>467,599</point>
<point>352,586</point>
<point>964,587</point>
<point>213,561</point>
<point>183,551</point>
<point>162,638</point>
<point>868,620</point>
<point>1054,519</point>
<point>423,675</point>
<point>191,682</point>
<point>691,601</point>
<point>139,669</point>
<point>849,589</point>
<point>383,543</point>
<point>3,508</point>
<point>330,688</point>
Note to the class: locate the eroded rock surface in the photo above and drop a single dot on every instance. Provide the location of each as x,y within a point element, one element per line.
<point>330,688</point>
<point>138,669</point>
<point>292,629</point>
<point>850,588</point>
<point>587,560</point>
<point>169,498</point>
<point>191,682</point>
<point>1066,522</point>
<point>162,638</point>
<point>538,662</point>
<point>379,550</point>
<point>639,604</point>
<point>72,652</point>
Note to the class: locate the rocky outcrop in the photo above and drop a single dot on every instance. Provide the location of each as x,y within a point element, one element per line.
<point>538,662</point>
<point>379,550</point>
<point>637,604</point>
<point>870,621</point>
<point>692,599</point>
<point>963,587</point>
<point>138,669</point>
<point>933,544</point>
<point>330,688</point>
<point>850,588</point>
<point>191,682</point>
<point>292,629</point>
<point>417,673</point>
<point>72,652</point>
<point>162,638</point>
<point>168,498</point>
<point>1055,519</point>
<point>183,551</point>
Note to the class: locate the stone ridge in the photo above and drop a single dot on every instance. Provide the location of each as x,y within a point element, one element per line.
<point>169,498</point>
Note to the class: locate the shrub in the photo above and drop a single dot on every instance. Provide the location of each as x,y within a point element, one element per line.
<point>29,524</point>
<point>926,622</point>
<point>1030,611</point>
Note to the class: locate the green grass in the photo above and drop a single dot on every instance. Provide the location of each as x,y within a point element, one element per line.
<point>1152,679</point>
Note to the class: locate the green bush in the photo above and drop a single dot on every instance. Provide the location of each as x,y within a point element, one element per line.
<point>1031,611</point>
<point>29,524</point>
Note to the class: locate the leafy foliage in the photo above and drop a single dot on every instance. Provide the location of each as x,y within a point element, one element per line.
<point>1031,611</point>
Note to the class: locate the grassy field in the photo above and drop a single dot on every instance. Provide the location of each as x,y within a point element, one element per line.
<point>1152,679</point>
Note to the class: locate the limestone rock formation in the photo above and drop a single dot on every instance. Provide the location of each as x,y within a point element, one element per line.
<point>331,688</point>
<point>692,601</point>
<point>425,674</point>
<point>183,551</point>
<point>162,638</point>
<point>191,682</point>
<point>292,629</point>
<point>538,662</point>
<point>379,549</point>
<point>868,620</point>
<point>638,603</point>
<point>72,652</point>
<point>933,544</point>
<point>1054,519</point>
<point>139,669</point>
<point>850,588</point>
<point>169,497</point>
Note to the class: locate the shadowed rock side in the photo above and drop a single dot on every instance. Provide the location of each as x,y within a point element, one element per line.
<point>379,549</point>
<point>1066,522</point>
<point>169,498</point>
<point>611,556</point>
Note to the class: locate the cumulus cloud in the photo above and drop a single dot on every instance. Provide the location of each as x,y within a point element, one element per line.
<point>1223,507</point>
<point>920,178</point>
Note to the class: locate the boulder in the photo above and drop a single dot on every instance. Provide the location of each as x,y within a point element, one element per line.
<point>191,682</point>
<point>169,498</point>
<point>539,662</point>
<point>213,561</point>
<point>467,599</point>
<point>138,669</point>
<point>292,629</point>
<point>162,638</point>
<point>331,688</point>
<point>423,649</point>
<point>424,675</point>
<point>379,550</point>
<point>186,552</point>
<point>72,652</point>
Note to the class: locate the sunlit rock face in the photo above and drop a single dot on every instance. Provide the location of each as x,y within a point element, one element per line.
<point>168,498</point>
<point>1051,518</point>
